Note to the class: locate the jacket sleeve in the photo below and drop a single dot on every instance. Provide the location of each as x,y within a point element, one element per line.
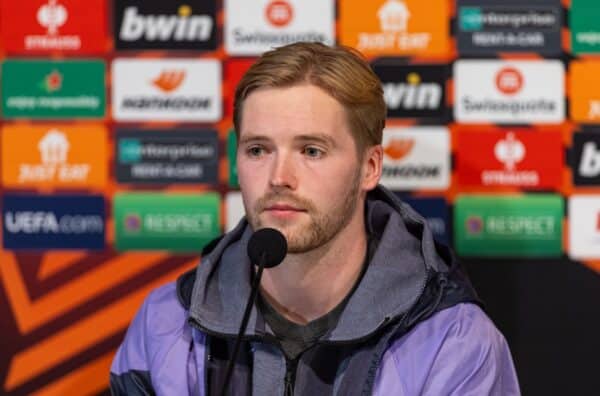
<point>161,354</point>
<point>458,351</point>
<point>130,370</point>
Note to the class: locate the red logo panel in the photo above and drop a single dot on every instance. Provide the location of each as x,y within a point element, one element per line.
<point>47,26</point>
<point>510,158</point>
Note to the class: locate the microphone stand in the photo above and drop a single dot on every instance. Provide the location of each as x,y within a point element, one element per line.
<point>246,317</point>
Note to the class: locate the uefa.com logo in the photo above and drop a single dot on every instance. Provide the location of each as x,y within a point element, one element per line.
<point>251,29</point>
<point>515,92</point>
<point>53,222</point>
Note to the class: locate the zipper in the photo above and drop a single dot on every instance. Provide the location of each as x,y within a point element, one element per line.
<point>290,376</point>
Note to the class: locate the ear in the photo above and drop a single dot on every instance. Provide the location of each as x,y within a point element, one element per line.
<point>371,167</point>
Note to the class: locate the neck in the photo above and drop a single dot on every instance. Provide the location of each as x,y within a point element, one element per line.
<point>307,286</point>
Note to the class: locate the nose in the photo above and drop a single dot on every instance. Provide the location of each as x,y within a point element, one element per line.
<point>283,173</point>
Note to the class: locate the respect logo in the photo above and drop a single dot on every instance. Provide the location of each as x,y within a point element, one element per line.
<point>175,222</point>
<point>508,225</point>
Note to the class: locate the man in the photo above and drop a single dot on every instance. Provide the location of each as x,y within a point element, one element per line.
<point>365,302</point>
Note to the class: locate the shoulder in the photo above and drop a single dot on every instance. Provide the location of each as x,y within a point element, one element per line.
<point>155,354</point>
<point>160,318</point>
<point>448,351</point>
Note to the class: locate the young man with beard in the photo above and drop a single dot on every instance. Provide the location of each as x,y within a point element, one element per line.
<point>365,302</point>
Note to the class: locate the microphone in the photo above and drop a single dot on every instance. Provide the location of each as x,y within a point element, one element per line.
<point>268,248</point>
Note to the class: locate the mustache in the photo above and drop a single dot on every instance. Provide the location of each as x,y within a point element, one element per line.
<point>271,198</point>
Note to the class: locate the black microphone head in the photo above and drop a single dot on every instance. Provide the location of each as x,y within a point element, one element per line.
<point>271,243</point>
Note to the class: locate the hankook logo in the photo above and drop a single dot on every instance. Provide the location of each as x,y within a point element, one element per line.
<point>416,157</point>
<point>180,89</point>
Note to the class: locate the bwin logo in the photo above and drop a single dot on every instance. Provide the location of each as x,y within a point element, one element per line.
<point>412,95</point>
<point>181,27</point>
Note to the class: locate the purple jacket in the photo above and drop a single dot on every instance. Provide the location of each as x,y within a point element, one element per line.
<point>411,327</point>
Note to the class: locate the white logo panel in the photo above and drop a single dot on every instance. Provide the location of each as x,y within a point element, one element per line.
<point>166,90</point>
<point>510,92</point>
<point>255,26</point>
<point>416,157</point>
<point>234,210</point>
<point>584,227</point>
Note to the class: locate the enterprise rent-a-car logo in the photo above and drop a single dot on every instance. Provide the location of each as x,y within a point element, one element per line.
<point>486,27</point>
<point>157,24</point>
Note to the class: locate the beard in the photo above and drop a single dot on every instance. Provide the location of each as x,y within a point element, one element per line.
<point>303,236</point>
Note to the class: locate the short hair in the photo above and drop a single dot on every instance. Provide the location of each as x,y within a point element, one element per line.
<point>342,72</point>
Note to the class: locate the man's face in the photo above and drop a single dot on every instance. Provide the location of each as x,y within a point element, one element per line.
<point>297,165</point>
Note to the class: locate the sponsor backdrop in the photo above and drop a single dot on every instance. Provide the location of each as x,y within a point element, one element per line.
<point>117,161</point>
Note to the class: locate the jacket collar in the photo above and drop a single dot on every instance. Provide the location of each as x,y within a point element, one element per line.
<point>392,283</point>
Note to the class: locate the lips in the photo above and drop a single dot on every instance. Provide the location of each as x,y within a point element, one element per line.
<point>283,208</point>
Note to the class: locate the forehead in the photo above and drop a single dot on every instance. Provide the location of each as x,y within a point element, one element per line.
<point>298,109</point>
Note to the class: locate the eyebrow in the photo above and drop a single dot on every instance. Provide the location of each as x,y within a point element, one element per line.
<point>311,137</point>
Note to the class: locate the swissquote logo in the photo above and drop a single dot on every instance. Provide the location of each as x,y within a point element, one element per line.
<point>42,26</point>
<point>416,157</point>
<point>156,24</point>
<point>254,27</point>
<point>279,13</point>
<point>167,90</point>
<point>398,27</point>
<point>515,92</point>
<point>509,80</point>
<point>413,91</point>
<point>511,158</point>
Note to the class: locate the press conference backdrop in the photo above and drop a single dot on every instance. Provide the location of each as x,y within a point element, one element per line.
<point>118,161</point>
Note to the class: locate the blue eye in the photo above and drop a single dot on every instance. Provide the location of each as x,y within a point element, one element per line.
<point>313,152</point>
<point>254,151</point>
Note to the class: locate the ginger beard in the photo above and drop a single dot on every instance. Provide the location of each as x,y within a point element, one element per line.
<point>302,235</point>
